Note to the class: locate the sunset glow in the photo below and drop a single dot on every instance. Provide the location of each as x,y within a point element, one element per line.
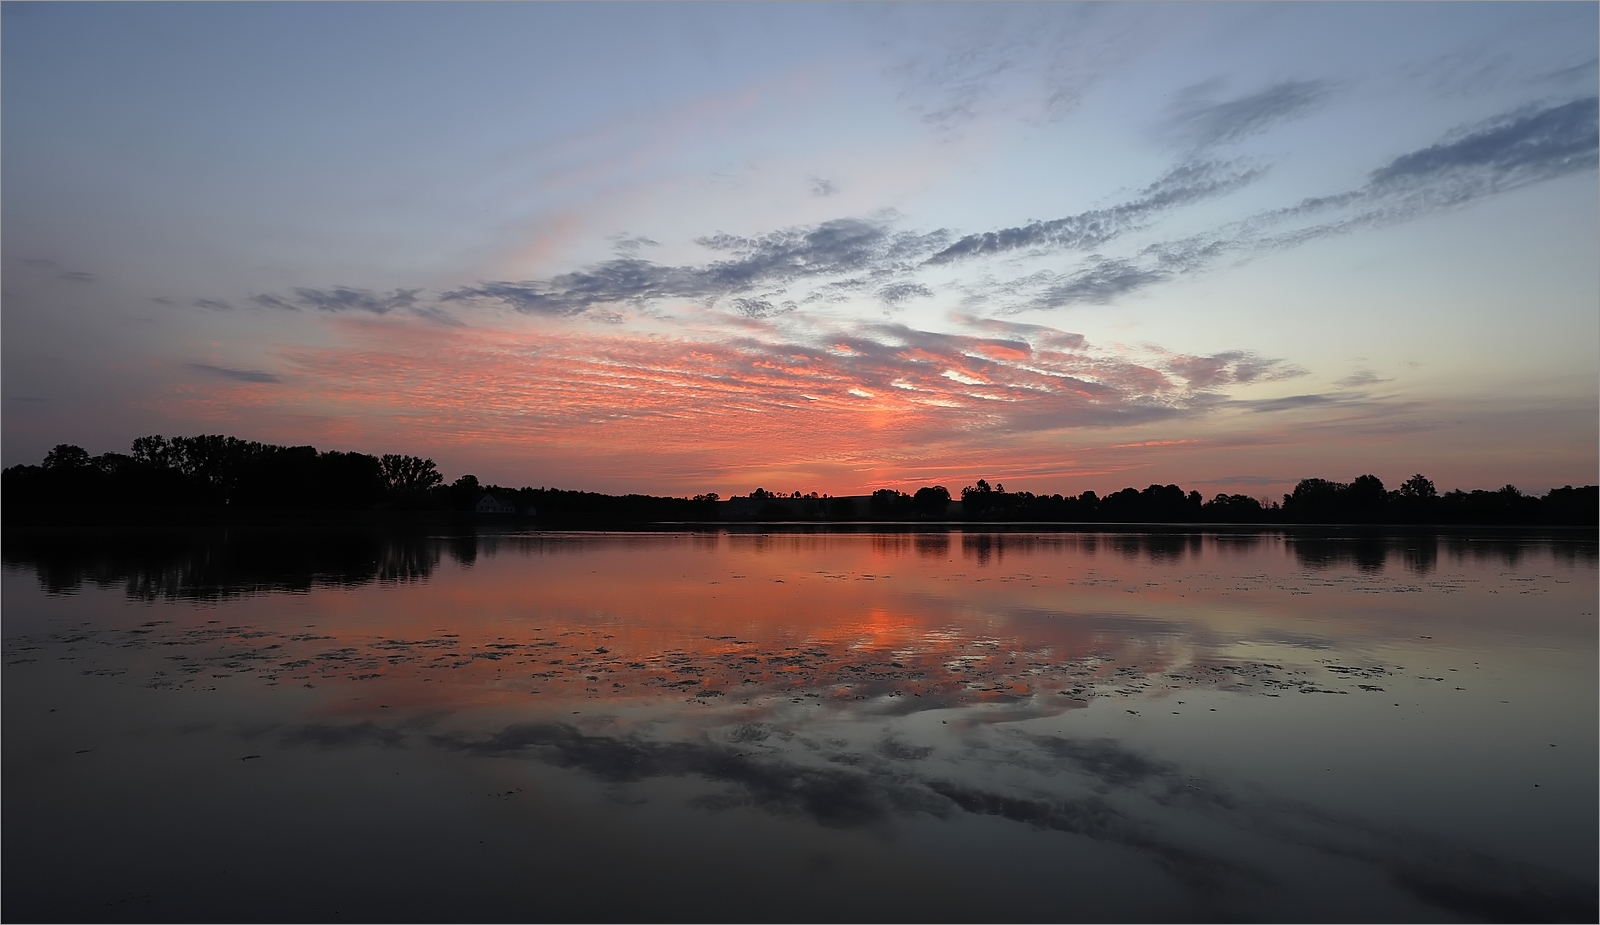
<point>659,250</point>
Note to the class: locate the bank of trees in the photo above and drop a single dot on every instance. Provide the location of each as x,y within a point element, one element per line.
<point>214,472</point>
<point>1361,501</point>
<point>220,473</point>
<point>1364,500</point>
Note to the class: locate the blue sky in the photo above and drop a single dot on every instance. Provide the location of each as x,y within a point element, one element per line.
<point>680,248</point>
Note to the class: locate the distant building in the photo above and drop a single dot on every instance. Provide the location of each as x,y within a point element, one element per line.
<point>489,504</point>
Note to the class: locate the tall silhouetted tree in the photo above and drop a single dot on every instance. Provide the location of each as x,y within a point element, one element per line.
<point>409,475</point>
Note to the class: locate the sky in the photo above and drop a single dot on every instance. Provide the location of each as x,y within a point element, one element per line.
<point>812,247</point>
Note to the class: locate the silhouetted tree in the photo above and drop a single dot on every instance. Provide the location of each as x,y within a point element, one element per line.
<point>464,493</point>
<point>1156,504</point>
<point>1420,487</point>
<point>978,502</point>
<point>931,501</point>
<point>889,504</point>
<point>1233,509</point>
<point>66,456</point>
<point>409,475</point>
<point>1365,500</point>
<point>1314,501</point>
<point>1570,505</point>
<point>153,451</point>
<point>1415,501</point>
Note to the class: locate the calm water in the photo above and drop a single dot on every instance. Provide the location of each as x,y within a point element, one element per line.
<point>901,726</point>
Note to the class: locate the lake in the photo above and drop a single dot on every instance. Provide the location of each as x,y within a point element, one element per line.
<point>724,725</point>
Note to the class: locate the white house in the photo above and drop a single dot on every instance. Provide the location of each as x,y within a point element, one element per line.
<point>489,504</point>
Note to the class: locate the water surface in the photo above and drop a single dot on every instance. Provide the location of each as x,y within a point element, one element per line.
<point>821,726</point>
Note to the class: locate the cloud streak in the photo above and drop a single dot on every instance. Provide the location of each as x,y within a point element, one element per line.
<point>1206,124</point>
<point>1086,230</point>
<point>237,375</point>
<point>759,276</point>
<point>1515,150</point>
<point>839,247</point>
<point>1519,148</point>
<point>340,299</point>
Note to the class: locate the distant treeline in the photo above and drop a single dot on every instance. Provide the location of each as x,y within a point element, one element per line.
<point>218,473</point>
<point>215,472</point>
<point>1363,500</point>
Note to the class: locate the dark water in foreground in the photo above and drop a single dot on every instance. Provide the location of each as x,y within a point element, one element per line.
<point>801,727</point>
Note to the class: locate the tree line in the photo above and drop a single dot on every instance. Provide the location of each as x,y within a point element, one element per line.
<point>215,472</point>
<point>1361,501</point>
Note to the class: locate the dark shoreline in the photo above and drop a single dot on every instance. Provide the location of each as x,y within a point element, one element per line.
<point>459,523</point>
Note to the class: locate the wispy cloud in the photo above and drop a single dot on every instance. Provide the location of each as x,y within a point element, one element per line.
<point>1101,282</point>
<point>1360,378</point>
<point>1233,367</point>
<point>237,375</point>
<point>1039,61</point>
<point>625,279</point>
<point>896,293</point>
<point>822,187</point>
<point>834,248</point>
<point>631,244</point>
<point>761,308</point>
<point>765,274</point>
<point>1517,149</point>
<point>1289,403</point>
<point>1205,123</point>
<point>1582,72</point>
<point>340,299</point>
<point>1086,230</point>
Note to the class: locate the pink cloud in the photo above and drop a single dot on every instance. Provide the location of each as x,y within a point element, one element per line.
<point>840,410</point>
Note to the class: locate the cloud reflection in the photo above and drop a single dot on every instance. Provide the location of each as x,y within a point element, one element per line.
<point>854,682</point>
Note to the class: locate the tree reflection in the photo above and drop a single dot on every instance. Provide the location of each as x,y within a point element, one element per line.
<point>933,545</point>
<point>1419,553</point>
<point>223,563</point>
<point>1157,547</point>
<point>1366,553</point>
<point>227,562</point>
